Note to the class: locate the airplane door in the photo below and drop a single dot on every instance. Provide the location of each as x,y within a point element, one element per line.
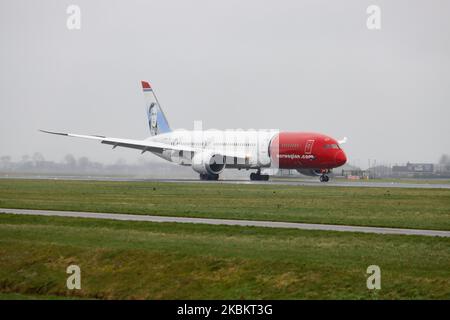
<point>308,146</point>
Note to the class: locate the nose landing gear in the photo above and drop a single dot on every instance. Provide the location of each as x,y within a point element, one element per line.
<point>257,176</point>
<point>324,178</point>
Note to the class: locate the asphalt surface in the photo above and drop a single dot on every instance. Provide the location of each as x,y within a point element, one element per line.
<point>273,181</point>
<point>267,224</point>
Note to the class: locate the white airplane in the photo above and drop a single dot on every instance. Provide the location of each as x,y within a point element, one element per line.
<point>210,152</point>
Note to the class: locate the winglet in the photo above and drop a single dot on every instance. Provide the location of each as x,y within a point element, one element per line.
<point>51,132</point>
<point>344,140</point>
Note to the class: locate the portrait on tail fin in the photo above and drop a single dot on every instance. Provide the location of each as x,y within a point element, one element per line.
<point>157,121</point>
<point>153,118</point>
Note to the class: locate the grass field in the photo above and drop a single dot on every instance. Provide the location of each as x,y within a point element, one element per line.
<point>394,207</point>
<point>141,260</point>
<point>435,181</point>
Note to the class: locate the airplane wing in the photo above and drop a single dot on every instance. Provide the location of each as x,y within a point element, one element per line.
<point>145,145</point>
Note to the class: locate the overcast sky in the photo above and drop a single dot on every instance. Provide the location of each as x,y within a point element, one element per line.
<point>288,65</point>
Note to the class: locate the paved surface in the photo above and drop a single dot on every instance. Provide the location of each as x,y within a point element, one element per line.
<point>274,181</point>
<point>268,224</point>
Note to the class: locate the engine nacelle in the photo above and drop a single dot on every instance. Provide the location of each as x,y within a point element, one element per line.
<point>208,163</point>
<point>312,172</point>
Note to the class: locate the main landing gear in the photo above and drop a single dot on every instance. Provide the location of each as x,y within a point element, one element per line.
<point>206,176</point>
<point>257,176</point>
<point>324,178</point>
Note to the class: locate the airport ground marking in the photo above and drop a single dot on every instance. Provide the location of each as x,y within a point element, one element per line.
<point>231,222</point>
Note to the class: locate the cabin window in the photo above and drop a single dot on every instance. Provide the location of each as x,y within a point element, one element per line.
<point>331,146</point>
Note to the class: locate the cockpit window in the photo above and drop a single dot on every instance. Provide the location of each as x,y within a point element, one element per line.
<point>331,146</point>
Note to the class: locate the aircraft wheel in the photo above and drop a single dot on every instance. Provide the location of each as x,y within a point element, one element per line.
<point>205,176</point>
<point>255,176</point>
<point>324,178</point>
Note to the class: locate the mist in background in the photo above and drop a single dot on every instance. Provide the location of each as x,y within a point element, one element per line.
<point>287,65</point>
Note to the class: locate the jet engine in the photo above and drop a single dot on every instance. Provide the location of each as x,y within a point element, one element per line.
<point>208,163</point>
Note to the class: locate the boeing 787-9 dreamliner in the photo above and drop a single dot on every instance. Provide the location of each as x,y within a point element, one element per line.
<point>210,152</point>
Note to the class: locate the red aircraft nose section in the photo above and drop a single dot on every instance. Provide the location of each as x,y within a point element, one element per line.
<point>340,158</point>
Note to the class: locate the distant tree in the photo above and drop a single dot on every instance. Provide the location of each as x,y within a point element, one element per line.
<point>84,163</point>
<point>70,161</point>
<point>38,157</point>
<point>5,159</point>
<point>5,162</point>
<point>445,159</point>
<point>26,164</point>
<point>121,162</point>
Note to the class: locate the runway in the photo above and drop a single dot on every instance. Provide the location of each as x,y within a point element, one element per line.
<point>273,181</point>
<point>229,222</point>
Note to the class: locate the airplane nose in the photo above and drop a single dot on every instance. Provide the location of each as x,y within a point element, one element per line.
<point>340,158</point>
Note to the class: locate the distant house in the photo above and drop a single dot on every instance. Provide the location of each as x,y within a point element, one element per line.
<point>413,170</point>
